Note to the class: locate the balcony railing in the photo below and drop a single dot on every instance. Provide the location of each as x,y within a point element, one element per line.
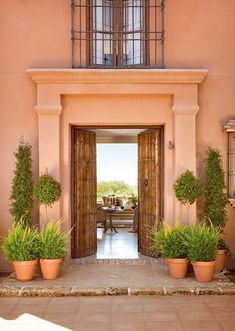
<point>117,33</point>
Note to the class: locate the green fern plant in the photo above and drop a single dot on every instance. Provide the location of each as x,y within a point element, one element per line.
<point>21,243</point>
<point>202,242</point>
<point>170,241</point>
<point>53,241</point>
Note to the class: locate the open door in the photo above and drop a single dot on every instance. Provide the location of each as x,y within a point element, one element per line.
<point>84,237</point>
<point>149,186</point>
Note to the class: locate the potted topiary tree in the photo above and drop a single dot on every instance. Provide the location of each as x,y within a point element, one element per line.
<point>215,202</point>
<point>223,251</point>
<point>170,242</point>
<point>53,244</point>
<point>22,185</point>
<point>201,242</point>
<point>21,246</point>
<point>47,190</point>
<point>187,188</point>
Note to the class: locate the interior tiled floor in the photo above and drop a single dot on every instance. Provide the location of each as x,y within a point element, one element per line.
<point>121,245</point>
<point>140,313</point>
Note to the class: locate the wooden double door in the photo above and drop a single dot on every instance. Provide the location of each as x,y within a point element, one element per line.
<point>84,234</point>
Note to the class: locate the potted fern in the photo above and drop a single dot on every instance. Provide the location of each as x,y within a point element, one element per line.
<point>53,242</point>
<point>202,242</point>
<point>170,241</point>
<point>21,247</point>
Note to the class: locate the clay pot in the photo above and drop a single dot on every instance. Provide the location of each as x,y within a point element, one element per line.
<point>24,269</point>
<point>203,271</point>
<point>220,260</point>
<point>50,268</point>
<point>177,267</point>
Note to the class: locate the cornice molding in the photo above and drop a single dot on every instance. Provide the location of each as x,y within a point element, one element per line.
<point>185,110</point>
<point>48,109</point>
<point>114,76</point>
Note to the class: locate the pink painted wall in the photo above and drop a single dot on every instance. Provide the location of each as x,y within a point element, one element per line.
<point>199,34</point>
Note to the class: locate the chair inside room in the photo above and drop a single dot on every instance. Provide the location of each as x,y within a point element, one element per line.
<point>101,215</point>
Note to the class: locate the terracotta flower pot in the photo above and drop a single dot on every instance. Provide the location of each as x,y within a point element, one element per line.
<point>24,269</point>
<point>220,260</point>
<point>177,267</point>
<point>203,271</point>
<point>50,268</point>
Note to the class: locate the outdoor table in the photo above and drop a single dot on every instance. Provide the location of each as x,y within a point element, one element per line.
<point>111,211</point>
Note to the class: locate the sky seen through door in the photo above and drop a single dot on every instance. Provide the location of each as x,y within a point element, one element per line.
<point>117,162</point>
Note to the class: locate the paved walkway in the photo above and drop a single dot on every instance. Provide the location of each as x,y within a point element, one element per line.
<point>139,313</point>
<point>115,277</point>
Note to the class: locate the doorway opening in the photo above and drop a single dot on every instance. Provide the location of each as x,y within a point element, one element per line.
<point>112,218</point>
<point>117,188</point>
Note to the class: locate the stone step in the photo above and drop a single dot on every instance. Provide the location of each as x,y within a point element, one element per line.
<point>140,261</point>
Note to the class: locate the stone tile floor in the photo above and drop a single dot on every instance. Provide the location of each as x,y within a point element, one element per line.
<point>123,313</point>
<point>121,245</point>
<point>115,277</point>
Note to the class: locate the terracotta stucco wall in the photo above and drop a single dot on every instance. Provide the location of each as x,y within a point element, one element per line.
<point>199,34</point>
<point>32,34</point>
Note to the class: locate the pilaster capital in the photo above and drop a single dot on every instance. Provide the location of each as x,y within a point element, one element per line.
<point>48,109</point>
<point>185,109</point>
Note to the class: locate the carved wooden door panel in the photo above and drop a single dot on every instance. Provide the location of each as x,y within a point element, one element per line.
<point>84,238</point>
<point>149,186</point>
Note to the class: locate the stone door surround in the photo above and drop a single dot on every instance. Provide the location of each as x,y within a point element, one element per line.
<point>181,84</point>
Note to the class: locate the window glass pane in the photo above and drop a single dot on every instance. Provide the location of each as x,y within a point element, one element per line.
<point>102,22</point>
<point>133,49</point>
<point>103,15</point>
<point>133,42</point>
<point>132,18</point>
<point>127,34</point>
<point>102,48</point>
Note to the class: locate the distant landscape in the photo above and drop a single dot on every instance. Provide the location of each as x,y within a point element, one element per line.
<point>115,187</point>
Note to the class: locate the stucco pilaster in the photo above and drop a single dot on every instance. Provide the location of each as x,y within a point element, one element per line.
<point>185,151</point>
<point>49,145</point>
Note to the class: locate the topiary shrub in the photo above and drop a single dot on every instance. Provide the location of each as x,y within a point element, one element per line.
<point>47,190</point>
<point>187,188</point>
<point>215,201</point>
<point>22,185</point>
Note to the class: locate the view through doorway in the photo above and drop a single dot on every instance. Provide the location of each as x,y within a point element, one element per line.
<point>111,221</point>
<point>117,187</point>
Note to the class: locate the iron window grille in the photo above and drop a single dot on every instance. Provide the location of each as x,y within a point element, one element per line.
<point>230,129</point>
<point>117,33</point>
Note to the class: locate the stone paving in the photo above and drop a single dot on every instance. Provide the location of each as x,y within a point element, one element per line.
<point>91,277</point>
<point>119,313</point>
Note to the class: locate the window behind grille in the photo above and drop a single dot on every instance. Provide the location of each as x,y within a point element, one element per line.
<point>117,33</point>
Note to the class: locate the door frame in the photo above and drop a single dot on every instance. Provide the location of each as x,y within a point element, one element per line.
<point>72,167</point>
